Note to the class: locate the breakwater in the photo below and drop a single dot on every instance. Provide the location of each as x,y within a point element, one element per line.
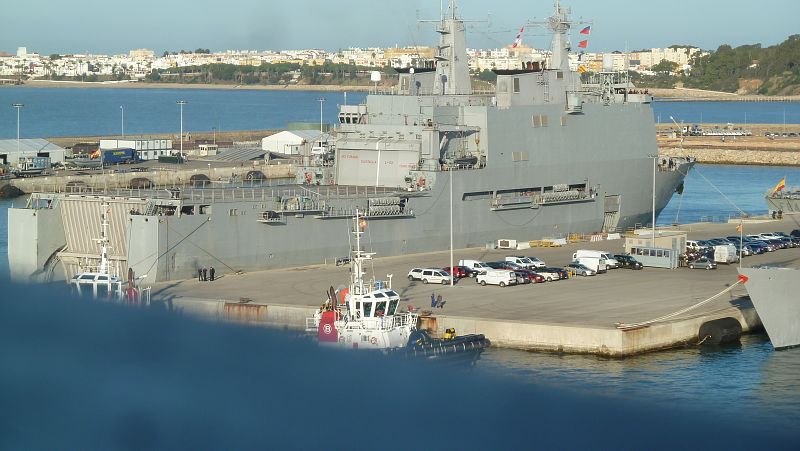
<point>735,156</point>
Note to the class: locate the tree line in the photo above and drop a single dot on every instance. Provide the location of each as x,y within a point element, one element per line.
<point>270,74</point>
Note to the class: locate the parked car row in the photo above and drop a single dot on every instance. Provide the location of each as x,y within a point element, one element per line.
<point>728,249</point>
<point>520,270</point>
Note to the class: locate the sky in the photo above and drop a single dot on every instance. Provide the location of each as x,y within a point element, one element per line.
<point>112,27</point>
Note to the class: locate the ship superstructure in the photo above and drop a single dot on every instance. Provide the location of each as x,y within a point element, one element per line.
<point>542,156</point>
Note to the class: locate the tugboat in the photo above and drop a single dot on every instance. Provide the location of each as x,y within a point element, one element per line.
<point>366,316</point>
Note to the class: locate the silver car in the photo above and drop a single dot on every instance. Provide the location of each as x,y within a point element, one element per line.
<point>580,269</point>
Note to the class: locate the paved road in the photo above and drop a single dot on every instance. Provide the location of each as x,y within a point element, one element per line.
<point>619,296</point>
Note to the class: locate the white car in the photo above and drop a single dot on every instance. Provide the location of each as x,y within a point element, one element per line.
<point>526,262</point>
<point>429,275</point>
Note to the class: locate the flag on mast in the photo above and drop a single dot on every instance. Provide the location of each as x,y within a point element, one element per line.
<point>586,30</point>
<point>583,44</point>
<point>781,185</point>
<point>518,41</point>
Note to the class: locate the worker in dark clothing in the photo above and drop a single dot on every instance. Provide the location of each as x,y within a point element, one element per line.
<point>205,274</point>
<point>199,274</point>
<point>212,272</point>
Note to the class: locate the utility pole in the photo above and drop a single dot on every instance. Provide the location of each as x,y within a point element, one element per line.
<point>182,103</point>
<point>18,106</point>
<point>122,111</point>
<point>321,100</point>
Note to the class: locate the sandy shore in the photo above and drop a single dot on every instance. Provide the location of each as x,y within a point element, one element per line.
<point>140,85</point>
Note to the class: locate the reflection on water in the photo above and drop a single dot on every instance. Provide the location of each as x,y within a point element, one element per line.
<point>748,377</point>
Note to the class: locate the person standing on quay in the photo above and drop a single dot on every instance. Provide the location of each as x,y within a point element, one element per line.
<point>205,274</point>
<point>433,300</point>
<point>200,274</point>
<point>212,272</point>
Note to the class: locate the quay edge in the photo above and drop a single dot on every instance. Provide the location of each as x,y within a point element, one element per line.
<point>521,335</point>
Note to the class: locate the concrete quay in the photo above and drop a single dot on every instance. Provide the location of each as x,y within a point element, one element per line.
<point>571,316</point>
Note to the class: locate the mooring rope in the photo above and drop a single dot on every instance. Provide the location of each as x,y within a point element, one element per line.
<point>625,326</point>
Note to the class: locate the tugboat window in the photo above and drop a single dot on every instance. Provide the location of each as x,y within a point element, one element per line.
<point>393,307</point>
<point>381,310</point>
<point>368,309</point>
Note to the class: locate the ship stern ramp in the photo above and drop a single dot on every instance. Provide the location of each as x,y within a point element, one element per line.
<point>34,238</point>
<point>81,217</point>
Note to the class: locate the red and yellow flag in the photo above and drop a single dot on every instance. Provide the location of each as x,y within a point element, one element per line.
<point>781,185</point>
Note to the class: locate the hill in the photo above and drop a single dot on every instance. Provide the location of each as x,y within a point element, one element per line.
<point>747,69</point>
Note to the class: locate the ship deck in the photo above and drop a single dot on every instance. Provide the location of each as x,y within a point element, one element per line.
<point>577,315</point>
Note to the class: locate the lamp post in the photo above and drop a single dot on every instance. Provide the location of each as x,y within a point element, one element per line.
<point>452,271</point>
<point>122,112</point>
<point>655,159</point>
<point>214,130</point>
<point>181,103</point>
<point>321,100</point>
<point>18,106</point>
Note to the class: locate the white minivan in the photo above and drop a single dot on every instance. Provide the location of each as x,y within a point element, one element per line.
<point>429,275</point>
<point>501,277</point>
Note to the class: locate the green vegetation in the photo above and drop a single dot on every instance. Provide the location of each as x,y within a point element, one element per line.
<point>749,69</point>
<point>271,74</point>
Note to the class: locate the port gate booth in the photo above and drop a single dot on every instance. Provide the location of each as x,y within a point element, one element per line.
<point>663,252</point>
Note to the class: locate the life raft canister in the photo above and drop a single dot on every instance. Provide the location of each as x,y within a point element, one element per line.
<point>421,181</point>
<point>327,331</point>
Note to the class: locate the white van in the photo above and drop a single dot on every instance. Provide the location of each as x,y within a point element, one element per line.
<point>726,253</point>
<point>610,261</point>
<point>596,264</point>
<point>500,277</point>
<point>477,265</point>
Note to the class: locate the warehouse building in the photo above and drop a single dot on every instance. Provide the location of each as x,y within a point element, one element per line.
<point>10,154</point>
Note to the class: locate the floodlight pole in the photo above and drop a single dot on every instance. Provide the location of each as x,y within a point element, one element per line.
<point>18,106</point>
<point>182,103</point>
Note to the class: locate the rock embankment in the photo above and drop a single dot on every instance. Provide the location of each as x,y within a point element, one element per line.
<point>735,156</point>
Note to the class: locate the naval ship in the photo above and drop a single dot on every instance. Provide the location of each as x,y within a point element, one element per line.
<point>542,155</point>
<point>773,291</point>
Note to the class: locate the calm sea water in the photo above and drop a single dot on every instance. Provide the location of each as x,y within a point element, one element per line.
<point>51,112</point>
<point>749,379</point>
<point>92,112</point>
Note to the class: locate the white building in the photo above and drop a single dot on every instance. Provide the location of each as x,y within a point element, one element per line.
<point>295,142</point>
<point>147,149</point>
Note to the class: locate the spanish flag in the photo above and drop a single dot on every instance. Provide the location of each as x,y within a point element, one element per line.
<point>781,185</point>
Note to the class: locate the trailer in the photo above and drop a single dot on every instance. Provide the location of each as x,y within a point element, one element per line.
<point>119,156</point>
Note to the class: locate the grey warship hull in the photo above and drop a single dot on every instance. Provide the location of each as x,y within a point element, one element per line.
<point>544,156</point>
<point>773,292</point>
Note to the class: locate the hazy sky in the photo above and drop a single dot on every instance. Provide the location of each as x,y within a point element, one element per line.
<point>108,26</point>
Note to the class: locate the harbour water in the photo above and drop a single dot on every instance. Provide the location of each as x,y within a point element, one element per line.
<point>748,379</point>
<point>52,112</point>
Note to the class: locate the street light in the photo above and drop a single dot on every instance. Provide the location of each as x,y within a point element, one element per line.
<point>214,129</point>
<point>182,103</point>
<point>18,106</point>
<point>321,100</point>
<point>655,158</point>
<point>122,111</point>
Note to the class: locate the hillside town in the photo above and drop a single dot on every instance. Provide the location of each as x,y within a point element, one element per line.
<point>138,63</point>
